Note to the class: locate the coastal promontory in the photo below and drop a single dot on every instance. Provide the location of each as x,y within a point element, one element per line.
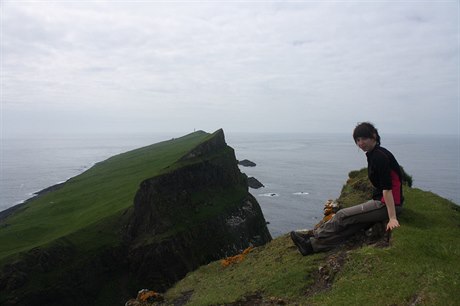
<point>141,219</point>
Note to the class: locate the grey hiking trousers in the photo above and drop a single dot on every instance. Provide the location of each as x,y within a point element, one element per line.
<point>347,222</point>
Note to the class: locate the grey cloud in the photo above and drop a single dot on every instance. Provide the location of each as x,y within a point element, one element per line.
<point>234,60</point>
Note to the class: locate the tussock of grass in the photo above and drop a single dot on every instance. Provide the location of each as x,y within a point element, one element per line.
<point>421,266</point>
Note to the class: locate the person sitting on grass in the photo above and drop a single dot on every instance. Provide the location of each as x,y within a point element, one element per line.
<point>386,205</point>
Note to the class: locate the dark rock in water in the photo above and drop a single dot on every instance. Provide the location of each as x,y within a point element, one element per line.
<point>254,183</point>
<point>246,163</point>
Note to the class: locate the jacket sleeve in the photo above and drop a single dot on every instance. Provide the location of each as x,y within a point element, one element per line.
<point>383,170</point>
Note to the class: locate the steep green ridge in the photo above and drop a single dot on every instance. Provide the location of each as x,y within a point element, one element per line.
<point>420,267</point>
<point>102,192</point>
<point>140,219</point>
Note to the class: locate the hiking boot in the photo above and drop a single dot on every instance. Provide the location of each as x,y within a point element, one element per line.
<point>302,244</point>
<point>305,235</point>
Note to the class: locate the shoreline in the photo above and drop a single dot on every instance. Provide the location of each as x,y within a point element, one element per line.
<point>9,211</point>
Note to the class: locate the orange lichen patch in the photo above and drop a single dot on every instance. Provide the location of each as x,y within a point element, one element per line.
<point>148,295</point>
<point>247,251</point>
<point>235,259</point>
<point>328,217</point>
<point>330,208</point>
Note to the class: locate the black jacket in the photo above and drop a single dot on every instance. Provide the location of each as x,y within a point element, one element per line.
<point>380,163</point>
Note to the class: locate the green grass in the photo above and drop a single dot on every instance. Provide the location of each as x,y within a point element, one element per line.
<point>271,269</point>
<point>421,266</point>
<point>101,193</point>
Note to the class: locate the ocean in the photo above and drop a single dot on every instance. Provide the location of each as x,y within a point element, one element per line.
<point>300,171</point>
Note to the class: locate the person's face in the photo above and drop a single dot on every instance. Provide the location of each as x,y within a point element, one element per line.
<point>365,143</point>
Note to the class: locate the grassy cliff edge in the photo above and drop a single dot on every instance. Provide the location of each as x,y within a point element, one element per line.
<point>420,267</point>
<point>103,192</point>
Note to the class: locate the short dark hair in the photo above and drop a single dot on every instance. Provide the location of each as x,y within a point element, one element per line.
<point>367,130</point>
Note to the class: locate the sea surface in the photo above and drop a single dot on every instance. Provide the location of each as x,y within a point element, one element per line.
<point>300,171</point>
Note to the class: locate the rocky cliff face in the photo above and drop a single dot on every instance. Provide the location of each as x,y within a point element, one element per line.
<point>202,211</point>
<point>160,264</point>
<point>198,210</point>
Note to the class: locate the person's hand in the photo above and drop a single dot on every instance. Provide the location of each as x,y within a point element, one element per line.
<point>393,223</point>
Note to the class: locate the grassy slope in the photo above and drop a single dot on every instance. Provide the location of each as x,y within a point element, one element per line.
<point>101,193</point>
<point>420,267</point>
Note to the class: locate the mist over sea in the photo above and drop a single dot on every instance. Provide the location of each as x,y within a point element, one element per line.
<point>300,171</point>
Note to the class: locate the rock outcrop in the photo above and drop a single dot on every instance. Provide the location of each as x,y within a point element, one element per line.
<point>254,183</point>
<point>246,163</point>
<point>202,210</point>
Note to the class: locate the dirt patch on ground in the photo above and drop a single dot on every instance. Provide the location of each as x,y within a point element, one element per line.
<point>334,262</point>
<point>183,299</point>
<point>257,299</point>
<point>326,273</point>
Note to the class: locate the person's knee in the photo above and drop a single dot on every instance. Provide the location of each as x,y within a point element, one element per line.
<point>339,215</point>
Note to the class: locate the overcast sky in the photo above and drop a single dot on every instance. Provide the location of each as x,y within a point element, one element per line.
<point>278,66</point>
